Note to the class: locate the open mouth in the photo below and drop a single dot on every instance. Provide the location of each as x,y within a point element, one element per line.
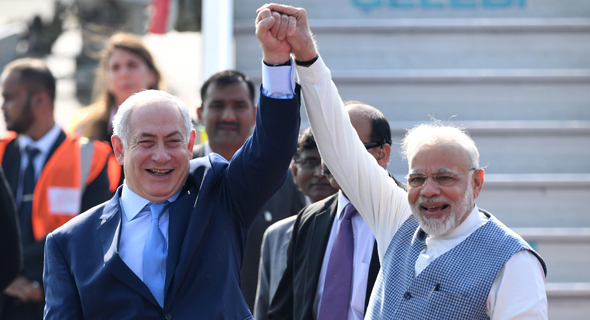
<point>435,208</point>
<point>160,172</point>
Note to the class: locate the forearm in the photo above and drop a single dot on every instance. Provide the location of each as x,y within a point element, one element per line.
<point>382,204</point>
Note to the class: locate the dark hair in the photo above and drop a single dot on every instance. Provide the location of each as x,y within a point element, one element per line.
<point>227,77</point>
<point>34,74</point>
<point>380,129</point>
<point>306,142</point>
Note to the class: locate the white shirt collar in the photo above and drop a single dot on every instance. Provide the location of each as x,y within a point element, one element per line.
<point>44,144</point>
<point>472,222</point>
<point>132,203</point>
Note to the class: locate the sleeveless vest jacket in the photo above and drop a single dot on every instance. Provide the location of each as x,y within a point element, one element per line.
<point>456,285</point>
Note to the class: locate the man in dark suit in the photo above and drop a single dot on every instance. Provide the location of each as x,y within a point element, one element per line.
<point>305,288</point>
<point>170,242</point>
<point>227,113</point>
<point>52,175</point>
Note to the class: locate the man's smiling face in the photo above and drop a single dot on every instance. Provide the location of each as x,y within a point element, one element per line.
<point>156,157</point>
<point>440,208</point>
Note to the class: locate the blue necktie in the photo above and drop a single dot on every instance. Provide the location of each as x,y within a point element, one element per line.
<point>338,283</point>
<point>26,204</point>
<point>155,253</point>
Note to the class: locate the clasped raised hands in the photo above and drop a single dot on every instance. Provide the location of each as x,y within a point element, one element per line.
<point>282,30</point>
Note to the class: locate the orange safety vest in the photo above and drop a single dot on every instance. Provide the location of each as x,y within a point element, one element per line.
<point>58,192</point>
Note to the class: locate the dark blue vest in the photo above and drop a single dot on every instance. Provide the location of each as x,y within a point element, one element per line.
<point>456,285</point>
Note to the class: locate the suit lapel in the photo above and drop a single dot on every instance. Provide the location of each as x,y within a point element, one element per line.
<point>109,233</point>
<point>374,268</point>
<point>322,224</point>
<point>188,223</point>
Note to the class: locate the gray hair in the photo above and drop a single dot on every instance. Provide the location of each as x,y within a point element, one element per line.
<point>435,133</point>
<point>121,122</point>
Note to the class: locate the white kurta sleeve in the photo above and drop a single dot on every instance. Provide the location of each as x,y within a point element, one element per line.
<point>375,195</point>
<point>519,289</point>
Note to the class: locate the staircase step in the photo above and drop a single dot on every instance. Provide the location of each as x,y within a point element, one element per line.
<point>470,96</point>
<point>563,250</point>
<point>441,44</point>
<point>568,301</point>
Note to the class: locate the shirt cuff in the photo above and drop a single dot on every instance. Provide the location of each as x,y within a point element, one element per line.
<point>278,82</point>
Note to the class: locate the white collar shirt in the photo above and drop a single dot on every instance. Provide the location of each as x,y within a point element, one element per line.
<point>135,226</point>
<point>363,252</point>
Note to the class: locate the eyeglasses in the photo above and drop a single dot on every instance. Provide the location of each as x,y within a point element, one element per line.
<point>370,145</point>
<point>416,180</point>
<point>310,164</point>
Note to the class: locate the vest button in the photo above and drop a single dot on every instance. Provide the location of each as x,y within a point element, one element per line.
<point>407,295</point>
<point>168,316</point>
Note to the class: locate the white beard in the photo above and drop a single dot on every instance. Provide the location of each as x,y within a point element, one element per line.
<point>440,226</point>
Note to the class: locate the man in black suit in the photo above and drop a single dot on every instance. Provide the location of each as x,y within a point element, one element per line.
<point>228,113</point>
<point>53,176</point>
<point>304,290</point>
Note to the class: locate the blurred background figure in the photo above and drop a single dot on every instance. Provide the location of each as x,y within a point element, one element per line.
<point>310,180</point>
<point>228,114</point>
<point>53,175</point>
<point>11,249</point>
<point>126,67</point>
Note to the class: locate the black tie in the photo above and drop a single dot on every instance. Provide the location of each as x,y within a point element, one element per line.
<point>26,205</point>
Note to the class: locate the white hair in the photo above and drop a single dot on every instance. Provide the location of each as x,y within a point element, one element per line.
<point>121,127</point>
<point>432,134</point>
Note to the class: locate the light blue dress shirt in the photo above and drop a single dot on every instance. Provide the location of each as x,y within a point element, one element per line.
<point>135,226</point>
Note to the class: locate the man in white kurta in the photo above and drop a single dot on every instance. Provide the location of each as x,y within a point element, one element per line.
<point>518,289</point>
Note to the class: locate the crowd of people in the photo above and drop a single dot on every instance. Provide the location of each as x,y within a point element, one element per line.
<point>121,215</point>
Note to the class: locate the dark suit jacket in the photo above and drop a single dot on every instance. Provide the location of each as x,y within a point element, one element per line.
<point>10,250</point>
<point>285,203</point>
<point>86,278</point>
<point>298,286</point>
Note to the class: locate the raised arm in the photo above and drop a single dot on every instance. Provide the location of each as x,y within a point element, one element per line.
<point>259,168</point>
<point>378,199</point>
